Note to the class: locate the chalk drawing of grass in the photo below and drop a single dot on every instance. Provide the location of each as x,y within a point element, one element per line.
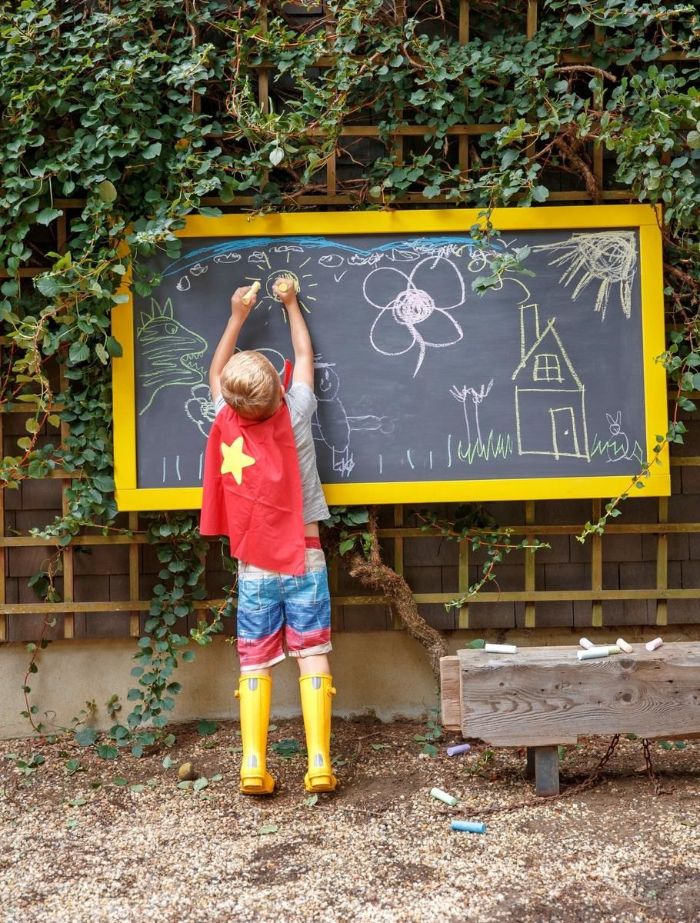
<point>498,445</point>
<point>615,450</point>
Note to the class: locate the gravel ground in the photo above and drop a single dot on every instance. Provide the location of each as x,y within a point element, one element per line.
<point>118,840</point>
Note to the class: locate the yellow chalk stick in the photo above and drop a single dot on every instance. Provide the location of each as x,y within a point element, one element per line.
<point>284,283</point>
<point>253,290</point>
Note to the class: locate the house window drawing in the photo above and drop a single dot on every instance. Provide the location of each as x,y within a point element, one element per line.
<point>547,368</point>
<point>550,411</point>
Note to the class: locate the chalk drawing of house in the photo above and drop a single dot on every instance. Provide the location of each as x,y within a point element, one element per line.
<point>549,396</point>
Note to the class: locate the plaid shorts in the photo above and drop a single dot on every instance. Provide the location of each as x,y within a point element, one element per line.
<point>278,611</point>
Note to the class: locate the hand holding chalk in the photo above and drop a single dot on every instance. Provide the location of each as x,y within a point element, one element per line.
<point>285,288</point>
<point>251,293</point>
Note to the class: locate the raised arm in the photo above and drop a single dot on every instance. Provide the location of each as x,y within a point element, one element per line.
<point>285,290</point>
<point>242,302</point>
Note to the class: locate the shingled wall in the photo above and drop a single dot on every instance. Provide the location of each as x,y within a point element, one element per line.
<point>640,552</point>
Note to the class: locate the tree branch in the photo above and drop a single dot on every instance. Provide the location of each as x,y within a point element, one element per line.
<point>373,572</point>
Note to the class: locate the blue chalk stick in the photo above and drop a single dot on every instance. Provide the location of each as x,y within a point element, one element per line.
<point>458,748</point>
<point>468,826</point>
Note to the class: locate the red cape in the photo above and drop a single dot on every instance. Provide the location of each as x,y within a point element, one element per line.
<point>252,490</point>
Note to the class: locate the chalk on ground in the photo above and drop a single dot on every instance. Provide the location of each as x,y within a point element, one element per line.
<point>652,645</point>
<point>624,646</point>
<point>443,796</point>
<point>500,649</point>
<point>458,748</point>
<point>468,826</point>
<point>584,642</point>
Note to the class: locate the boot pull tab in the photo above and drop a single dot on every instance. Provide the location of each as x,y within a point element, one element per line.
<point>236,694</point>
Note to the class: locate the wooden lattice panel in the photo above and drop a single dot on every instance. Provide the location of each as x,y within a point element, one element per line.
<point>668,531</point>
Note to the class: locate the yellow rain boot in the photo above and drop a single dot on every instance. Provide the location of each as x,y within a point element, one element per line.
<point>316,694</point>
<point>254,695</point>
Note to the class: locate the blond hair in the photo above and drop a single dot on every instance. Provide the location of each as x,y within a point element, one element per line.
<point>250,385</point>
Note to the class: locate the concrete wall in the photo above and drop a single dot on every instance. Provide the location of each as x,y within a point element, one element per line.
<point>386,673</point>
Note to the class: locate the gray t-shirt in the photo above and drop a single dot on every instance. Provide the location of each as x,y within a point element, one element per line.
<point>301,402</point>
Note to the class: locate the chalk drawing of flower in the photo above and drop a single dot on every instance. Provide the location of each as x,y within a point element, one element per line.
<point>409,315</point>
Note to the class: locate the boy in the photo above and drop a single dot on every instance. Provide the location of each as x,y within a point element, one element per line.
<point>261,487</point>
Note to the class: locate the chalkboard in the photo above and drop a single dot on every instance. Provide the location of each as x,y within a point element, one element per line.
<point>544,386</point>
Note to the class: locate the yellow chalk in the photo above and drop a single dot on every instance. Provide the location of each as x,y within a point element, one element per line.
<point>253,290</point>
<point>284,283</point>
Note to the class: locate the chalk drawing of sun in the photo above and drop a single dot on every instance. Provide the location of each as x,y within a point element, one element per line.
<point>304,282</point>
<point>606,258</point>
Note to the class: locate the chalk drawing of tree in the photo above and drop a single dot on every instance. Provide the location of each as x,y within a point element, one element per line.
<point>470,396</point>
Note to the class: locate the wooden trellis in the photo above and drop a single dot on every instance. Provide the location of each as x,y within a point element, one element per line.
<point>394,532</point>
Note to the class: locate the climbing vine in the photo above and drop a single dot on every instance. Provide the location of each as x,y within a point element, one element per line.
<point>125,117</point>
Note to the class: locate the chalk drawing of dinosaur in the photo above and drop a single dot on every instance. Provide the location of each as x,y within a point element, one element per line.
<point>169,351</point>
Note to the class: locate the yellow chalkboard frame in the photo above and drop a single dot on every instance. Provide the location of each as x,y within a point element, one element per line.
<point>645,218</point>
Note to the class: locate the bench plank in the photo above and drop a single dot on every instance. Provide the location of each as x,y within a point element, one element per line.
<point>450,698</point>
<point>545,696</point>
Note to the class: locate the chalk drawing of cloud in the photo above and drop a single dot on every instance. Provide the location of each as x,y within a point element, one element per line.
<point>331,261</point>
<point>356,260</point>
<point>403,256</point>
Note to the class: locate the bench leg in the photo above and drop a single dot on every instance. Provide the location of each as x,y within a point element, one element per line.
<point>530,764</point>
<point>547,770</point>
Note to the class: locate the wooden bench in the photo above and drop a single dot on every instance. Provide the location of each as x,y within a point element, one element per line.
<point>542,697</point>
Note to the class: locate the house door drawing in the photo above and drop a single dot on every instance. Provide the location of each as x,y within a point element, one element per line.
<point>564,436</point>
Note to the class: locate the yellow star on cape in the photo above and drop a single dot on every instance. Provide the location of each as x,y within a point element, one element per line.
<point>235,459</point>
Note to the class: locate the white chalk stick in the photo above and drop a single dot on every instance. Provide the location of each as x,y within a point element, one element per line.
<point>593,652</point>
<point>584,642</point>
<point>443,796</point>
<point>500,649</point>
<point>624,646</point>
<point>253,290</point>
<point>652,645</point>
